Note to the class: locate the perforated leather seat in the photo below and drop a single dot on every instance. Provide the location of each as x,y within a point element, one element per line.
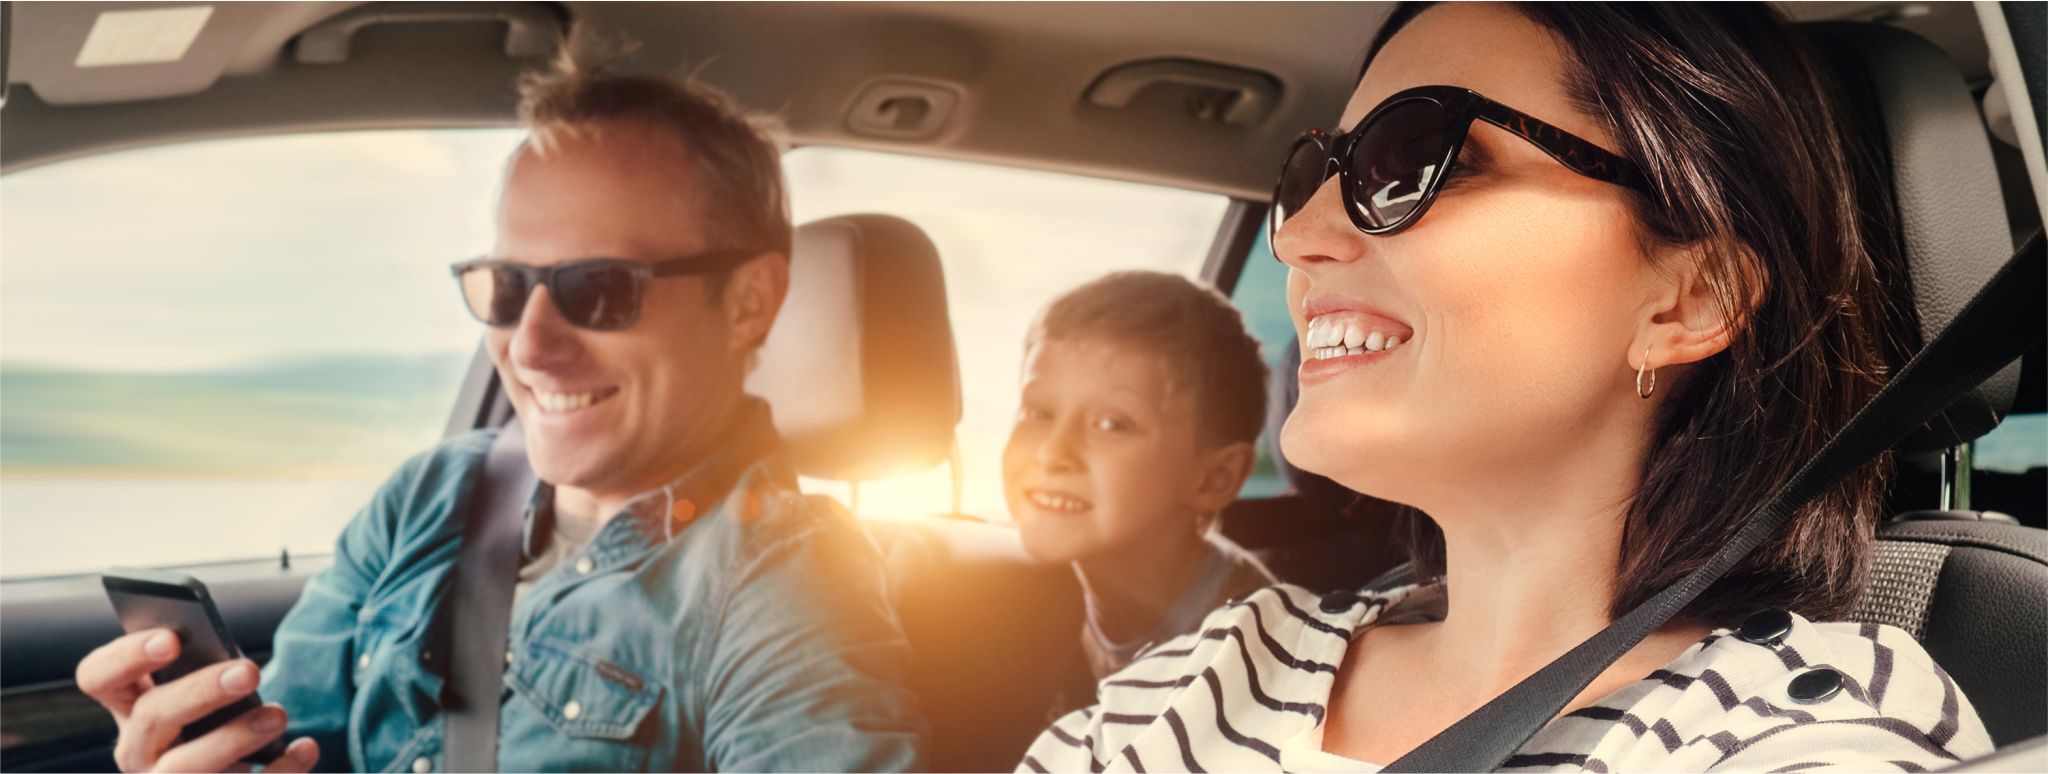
<point>1973,588</point>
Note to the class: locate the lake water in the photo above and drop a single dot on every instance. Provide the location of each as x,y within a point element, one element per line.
<point>71,525</point>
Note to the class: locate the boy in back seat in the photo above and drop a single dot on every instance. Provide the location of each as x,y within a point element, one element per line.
<point>1143,394</point>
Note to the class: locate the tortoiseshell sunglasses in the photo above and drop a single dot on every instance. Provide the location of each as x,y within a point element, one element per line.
<point>1392,165</point>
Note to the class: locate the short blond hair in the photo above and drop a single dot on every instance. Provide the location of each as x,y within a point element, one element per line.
<point>736,157</point>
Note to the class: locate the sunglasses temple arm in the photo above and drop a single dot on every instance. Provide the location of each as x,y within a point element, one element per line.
<point>1569,149</point>
<point>707,263</point>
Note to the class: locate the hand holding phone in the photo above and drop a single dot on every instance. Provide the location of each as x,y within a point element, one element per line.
<point>178,686</point>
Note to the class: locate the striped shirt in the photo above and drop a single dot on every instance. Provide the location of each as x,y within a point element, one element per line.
<point>1226,573</point>
<point>1249,692</point>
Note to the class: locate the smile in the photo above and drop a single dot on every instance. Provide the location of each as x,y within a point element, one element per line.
<point>566,402</point>
<point>1338,335</point>
<point>1054,501</point>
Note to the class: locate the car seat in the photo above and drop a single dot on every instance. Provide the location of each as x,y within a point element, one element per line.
<point>860,372</point>
<point>1972,586</point>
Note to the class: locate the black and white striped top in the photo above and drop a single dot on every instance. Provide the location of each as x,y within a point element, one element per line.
<point>1248,693</point>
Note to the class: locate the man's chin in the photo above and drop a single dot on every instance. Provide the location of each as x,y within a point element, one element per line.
<point>580,470</point>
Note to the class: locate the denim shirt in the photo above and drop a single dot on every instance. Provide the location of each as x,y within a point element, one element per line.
<point>743,628</point>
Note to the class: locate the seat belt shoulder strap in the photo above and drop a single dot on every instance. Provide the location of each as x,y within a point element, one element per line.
<point>479,613</point>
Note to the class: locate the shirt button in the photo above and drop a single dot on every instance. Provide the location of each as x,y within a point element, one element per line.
<point>1338,601</point>
<point>1815,685</point>
<point>508,658</point>
<point>422,766</point>
<point>584,566</point>
<point>1767,627</point>
<point>572,710</point>
<point>363,662</point>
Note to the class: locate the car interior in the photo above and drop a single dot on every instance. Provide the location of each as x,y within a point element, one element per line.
<point>862,369</point>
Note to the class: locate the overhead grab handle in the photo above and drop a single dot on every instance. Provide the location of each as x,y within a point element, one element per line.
<point>1223,94</point>
<point>532,28</point>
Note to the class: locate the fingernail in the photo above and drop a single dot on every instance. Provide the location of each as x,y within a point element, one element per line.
<point>303,751</point>
<point>269,720</point>
<point>239,678</point>
<point>160,646</point>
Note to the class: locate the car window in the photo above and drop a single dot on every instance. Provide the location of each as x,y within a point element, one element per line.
<point>1261,295</point>
<point>216,351</point>
<point>1010,240</point>
<point>2017,445</point>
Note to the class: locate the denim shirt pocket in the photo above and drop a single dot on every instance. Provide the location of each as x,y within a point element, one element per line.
<point>600,705</point>
<point>396,694</point>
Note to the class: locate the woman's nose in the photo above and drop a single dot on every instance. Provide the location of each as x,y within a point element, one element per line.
<point>1320,232</point>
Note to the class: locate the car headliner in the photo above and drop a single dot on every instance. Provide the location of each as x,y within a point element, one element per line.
<point>1021,70</point>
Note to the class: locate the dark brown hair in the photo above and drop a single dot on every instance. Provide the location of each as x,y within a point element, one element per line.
<point>1754,163</point>
<point>1193,331</point>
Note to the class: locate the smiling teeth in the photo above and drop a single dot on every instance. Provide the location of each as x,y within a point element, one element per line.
<point>1053,502</point>
<point>560,402</point>
<point>1329,338</point>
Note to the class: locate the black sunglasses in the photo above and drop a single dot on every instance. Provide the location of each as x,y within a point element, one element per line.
<point>1391,167</point>
<point>600,294</point>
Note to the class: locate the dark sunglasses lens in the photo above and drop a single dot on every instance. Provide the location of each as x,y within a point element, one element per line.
<point>1398,159</point>
<point>602,297</point>
<point>496,294</point>
<point>1307,166</point>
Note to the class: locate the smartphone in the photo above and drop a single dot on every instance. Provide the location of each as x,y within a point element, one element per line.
<point>151,599</point>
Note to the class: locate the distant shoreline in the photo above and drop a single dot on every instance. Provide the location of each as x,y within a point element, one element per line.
<point>76,473</point>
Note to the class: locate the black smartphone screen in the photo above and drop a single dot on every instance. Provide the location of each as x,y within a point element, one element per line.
<point>150,599</point>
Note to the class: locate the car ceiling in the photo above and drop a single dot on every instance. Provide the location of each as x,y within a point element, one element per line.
<point>1018,74</point>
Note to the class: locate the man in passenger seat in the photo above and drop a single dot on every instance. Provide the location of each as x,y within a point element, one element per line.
<point>1143,394</point>
<point>691,611</point>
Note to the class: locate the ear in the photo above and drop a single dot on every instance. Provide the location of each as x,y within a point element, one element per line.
<point>1683,318</point>
<point>753,298</point>
<point>1223,471</point>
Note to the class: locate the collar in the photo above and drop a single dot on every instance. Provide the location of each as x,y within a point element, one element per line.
<point>659,513</point>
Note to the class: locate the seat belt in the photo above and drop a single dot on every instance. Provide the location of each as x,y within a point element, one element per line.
<point>2002,321</point>
<point>480,614</point>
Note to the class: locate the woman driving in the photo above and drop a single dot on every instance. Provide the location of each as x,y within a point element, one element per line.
<point>1582,283</point>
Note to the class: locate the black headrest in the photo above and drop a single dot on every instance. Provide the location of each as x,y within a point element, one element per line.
<point>1918,112</point>
<point>859,368</point>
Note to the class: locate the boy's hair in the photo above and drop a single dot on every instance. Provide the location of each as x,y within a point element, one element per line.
<point>1193,330</point>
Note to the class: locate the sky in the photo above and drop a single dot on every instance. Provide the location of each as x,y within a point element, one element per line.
<point>218,253</point>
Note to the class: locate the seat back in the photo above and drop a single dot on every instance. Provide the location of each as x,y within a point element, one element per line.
<point>1973,589</point>
<point>861,374</point>
<point>1975,593</point>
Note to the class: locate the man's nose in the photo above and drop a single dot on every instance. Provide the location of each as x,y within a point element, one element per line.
<point>543,337</point>
<point>1320,233</point>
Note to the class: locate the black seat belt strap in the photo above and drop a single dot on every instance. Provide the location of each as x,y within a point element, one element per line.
<point>480,604</point>
<point>2004,320</point>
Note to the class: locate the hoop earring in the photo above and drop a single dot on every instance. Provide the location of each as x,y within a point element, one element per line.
<point>1642,391</point>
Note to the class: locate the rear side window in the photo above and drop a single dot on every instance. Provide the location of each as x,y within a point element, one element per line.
<point>216,351</point>
<point>1261,294</point>
<point>1010,240</point>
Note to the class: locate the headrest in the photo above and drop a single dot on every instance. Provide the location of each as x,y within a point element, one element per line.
<point>1919,114</point>
<point>859,368</point>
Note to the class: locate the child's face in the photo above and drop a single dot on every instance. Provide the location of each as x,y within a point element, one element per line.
<point>1104,453</point>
